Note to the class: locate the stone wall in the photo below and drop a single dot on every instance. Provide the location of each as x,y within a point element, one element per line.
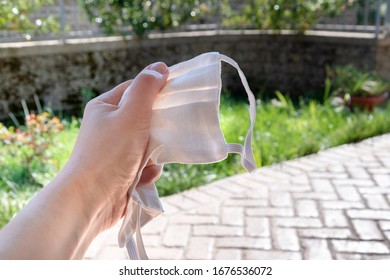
<point>57,71</point>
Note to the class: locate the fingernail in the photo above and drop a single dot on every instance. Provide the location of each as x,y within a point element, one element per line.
<point>159,67</point>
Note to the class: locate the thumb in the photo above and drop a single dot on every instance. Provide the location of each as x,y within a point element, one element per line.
<point>140,95</point>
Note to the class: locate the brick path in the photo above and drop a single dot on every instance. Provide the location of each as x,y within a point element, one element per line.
<point>332,205</point>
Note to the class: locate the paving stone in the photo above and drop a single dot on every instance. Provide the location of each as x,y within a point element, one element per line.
<point>280,199</point>
<point>327,175</point>
<point>384,225</point>
<point>215,192</point>
<point>255,194</point>
<point>151,240</point>
<point>165,253</point>
<point>364,247</point>
<point>374,190</point>
<point>358,172</point>
<point>314,249</point>
<point>232,216</point>
<point>200,248</point>
<point>256,182</point>
<point>176,235</point>
<point>291,170</point>
<point>335,218</point>
<point>208,209</point>
<point>382,180</point>
<point>299,164</point>
<point>181,202</point>
<point>379,170</point>
<point>278,173</point>
<point>343,256</point>
<point>322,185</point>
<point>315,196</point>
<point>200,197</point>
<point>348,193</point>
<point>300,180</point>
<point>246,202</point>
<point>286,239</point>
<point>336,168</point>
<point>375,257</point>
<point>369,214</point>
<point>156,226</point>
<point>271,255</point>
<point>217,230</point>
<point>228,254</point>
<point>342,204</point>
<point>230,186</point>
<point>376,201</point>
<point>311,160</point>
<point>257,227</point>
<point>353,182</point>
<point>112,253</point>
<point>326,233</point>
<point>298,222</point>
<point>291,188</point>
<point>307,208</point>
<point>243,242</point>
<point>270,211</point>
<point>367,230</point>
<point>387,234</point>
<point>169,208</point>
<point>194,219</point>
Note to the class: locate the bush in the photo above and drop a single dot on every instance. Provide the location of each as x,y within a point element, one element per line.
<point>25,150</point>
<point>16,15</point>
<point>350,80</point>
<point>298,15</point>
<point>142,16</point>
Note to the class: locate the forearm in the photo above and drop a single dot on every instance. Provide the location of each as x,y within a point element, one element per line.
<point>58,223</point>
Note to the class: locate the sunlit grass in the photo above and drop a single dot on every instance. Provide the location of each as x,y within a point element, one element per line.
<point>282,132</point>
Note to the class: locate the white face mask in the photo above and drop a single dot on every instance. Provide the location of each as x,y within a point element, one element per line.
<point>185,129</point>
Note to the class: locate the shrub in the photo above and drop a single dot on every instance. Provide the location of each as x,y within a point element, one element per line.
<point>25,149</point>
<point>16,15</point>
<point>298,15</point>
<point>352,81</point>
<point>142,16</point>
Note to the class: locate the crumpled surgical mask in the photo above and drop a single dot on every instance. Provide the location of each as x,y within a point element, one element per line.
<point>185,128</point>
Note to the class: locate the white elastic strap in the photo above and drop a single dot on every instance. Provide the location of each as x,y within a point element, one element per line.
<point>132,249</point>
<point>239,149</point>
<point>245,151</point>
<point>136,250</point>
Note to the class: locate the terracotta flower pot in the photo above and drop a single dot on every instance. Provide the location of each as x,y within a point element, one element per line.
<point>368,102</point>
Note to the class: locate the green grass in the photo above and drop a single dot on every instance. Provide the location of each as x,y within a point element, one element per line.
<point>283,131</point>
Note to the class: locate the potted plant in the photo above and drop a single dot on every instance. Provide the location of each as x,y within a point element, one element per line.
<point>363,89</point>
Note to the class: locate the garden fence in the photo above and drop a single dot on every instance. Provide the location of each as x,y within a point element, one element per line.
<point>368,16</point>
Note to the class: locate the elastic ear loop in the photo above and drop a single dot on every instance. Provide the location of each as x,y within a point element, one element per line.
<point>247,160</point>
<point>136,250</point>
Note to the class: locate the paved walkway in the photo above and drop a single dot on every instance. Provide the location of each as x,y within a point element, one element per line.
<point>332,205</point>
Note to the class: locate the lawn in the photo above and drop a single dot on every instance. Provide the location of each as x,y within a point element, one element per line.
<point>283,131</point>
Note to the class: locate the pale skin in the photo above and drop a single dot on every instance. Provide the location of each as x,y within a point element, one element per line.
<point>89,194</point>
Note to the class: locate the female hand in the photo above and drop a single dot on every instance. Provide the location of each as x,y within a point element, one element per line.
<point>90,193</point>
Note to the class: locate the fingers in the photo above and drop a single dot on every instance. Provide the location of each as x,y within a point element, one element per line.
<point>114,95</point>
<point>141,93</point>
<point>150,174</point>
